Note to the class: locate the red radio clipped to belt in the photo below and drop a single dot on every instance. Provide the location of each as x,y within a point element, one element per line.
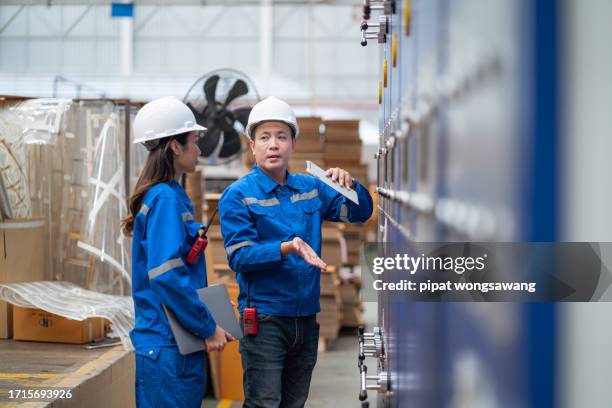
<point>200,243</point>
<point>249,317</point>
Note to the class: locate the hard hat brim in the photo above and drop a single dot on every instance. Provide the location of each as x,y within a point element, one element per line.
<point>195,127</point>
<point>251,126</point>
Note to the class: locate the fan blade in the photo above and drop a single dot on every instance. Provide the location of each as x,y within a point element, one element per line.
<point>242,115</point>
<point>231,143</point>
<point>200,119</point>
<point>210,88</point>
<point>209,142</point>
<point>238,89</point>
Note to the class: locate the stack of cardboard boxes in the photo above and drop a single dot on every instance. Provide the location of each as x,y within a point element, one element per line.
<point>353,236</point>
<point>21,260</point>
<point>333,252</point>
<point>309,146</point>
<point>330,317</point>
<point>342,148</point>
<point>352,308</point>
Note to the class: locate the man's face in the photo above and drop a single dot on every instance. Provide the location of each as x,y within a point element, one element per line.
<point>272,146</point>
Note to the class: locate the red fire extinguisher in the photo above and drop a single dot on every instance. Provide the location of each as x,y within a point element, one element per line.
<point>200,243</point>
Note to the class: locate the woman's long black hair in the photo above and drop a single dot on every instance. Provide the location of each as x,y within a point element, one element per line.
<point>159,168</point>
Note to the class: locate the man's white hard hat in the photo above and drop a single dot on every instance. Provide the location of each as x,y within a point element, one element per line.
<point>271,109</point>
<point>163,117</point>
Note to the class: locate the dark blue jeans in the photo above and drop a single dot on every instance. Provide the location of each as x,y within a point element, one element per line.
<point>278,361</point>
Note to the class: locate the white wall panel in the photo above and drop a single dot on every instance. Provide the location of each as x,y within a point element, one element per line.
<point>13,55</point>
<point>44,56</point>
<point>44,21</point>
<point>80,21</point>
<point>19,24</point>
<point>78,56</point>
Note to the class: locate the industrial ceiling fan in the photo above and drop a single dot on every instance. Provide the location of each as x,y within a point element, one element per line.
<point>221,101</point>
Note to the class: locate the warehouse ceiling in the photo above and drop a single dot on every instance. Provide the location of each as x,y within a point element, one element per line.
<point>306,52</point>
<point>180,2</point>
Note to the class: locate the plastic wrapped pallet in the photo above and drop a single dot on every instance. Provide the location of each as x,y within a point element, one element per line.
<point>101,241</point>
<point>73,302</point>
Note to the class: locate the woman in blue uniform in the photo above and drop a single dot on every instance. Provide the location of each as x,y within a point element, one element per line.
<point>162,223</point>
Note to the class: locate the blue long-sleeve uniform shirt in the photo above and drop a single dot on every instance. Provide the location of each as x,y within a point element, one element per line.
<point>257,214</point>
<point>164,231</point>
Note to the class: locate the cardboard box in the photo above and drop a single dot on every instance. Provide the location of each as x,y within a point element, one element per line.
<point>330,317</point>
<point>19,260</point>
<point>309,124</point>
<point>39,325</point>
<point>310,139</point>
<point>349,294</point>
<point>341,131</point>
<point>329,281</point>
<point>352,316</point>
<point>297,163</point>
<point>338,154</point>
<point>333,246</point>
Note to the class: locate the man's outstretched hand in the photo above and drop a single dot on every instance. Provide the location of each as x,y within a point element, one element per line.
<point>300,247</point>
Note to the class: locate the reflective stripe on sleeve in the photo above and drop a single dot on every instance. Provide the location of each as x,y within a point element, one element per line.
<point>234,247</point>
<point>165,267</point>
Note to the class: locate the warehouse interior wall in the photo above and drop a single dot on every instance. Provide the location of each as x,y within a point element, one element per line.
<point>314,47</point>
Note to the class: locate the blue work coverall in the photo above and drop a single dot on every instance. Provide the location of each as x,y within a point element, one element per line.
<point>164,231</point>
<point>257,214</point>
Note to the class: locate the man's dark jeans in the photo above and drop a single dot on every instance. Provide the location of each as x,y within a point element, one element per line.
<point>278,361</point>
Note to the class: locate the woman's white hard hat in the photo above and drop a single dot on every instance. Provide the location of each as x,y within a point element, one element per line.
<point>163,117</point>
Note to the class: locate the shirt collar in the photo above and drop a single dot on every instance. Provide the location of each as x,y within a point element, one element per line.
<point>175,185</point>
<point>268,185</point>
<point>178,188</point>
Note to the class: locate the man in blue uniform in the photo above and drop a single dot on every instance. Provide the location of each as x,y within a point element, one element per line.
<point>271,224</point>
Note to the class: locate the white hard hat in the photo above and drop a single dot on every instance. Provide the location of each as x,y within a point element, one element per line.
<point>163,117</point>
<point>271,109</point>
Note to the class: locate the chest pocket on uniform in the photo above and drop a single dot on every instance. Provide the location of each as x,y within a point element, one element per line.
<point>310,212</point>
<point>311,206</point>
<point>265,220</point>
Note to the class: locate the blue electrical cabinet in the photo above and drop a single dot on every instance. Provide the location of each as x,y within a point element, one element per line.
<point>467,152</point>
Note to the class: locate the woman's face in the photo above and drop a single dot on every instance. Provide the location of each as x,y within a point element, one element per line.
<point>186,156</point>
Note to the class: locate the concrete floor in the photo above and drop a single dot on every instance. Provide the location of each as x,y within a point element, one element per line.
<point>335,381</point>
